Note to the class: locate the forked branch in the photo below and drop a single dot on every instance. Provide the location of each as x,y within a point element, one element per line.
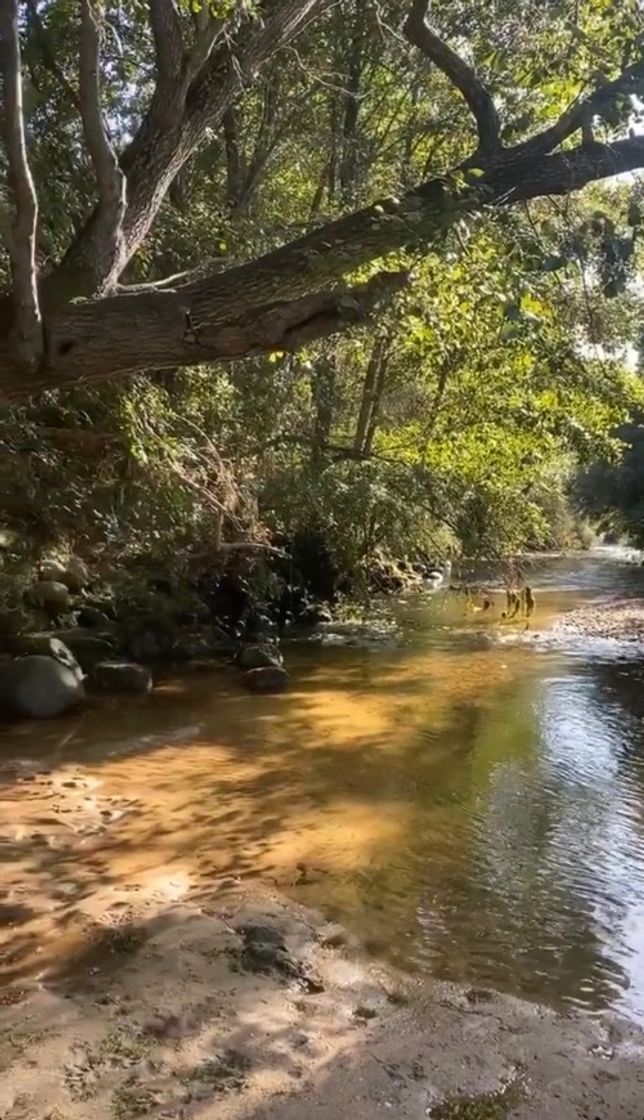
<point>630,83</point>
<point>21,220</point>
<point>462,76</point>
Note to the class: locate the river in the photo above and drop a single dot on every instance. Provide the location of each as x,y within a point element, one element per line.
<point>469,806</point>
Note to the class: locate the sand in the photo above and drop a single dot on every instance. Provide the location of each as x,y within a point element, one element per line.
<point>251,1007</point>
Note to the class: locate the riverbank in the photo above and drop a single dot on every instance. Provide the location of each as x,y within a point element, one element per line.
<point>243,1005</point>
<point>620,620</point>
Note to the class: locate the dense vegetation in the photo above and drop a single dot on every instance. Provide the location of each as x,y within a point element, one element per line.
<point>422,374</point>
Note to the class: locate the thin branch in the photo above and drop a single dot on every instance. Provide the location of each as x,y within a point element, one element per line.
<point>109,177</point>
<point>459,73</point>
<point>21,227</point>
<point>629,83</point>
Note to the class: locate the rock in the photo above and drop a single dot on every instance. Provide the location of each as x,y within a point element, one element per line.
<point>39,687</point>
<point>121,676</point>
<point>51,570</point>
<point>50,594</point>
<point>45,645</point>
<point>93,618</point>
<point>88,646</point>
<point>268,679</point>
<point>75,574</point>
<point>150,644</point>
<point>260,657</point>
<point>315,614</point>
<point>201,642</point>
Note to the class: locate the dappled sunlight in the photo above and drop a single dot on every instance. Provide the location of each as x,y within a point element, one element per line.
<point>416,793</point>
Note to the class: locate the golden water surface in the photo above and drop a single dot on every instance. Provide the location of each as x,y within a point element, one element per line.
<point>468,807</point>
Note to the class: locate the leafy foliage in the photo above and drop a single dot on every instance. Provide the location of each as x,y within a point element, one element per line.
<point>454,422</point>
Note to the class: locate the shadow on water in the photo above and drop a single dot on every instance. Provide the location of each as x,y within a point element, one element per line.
<point>468,810</point>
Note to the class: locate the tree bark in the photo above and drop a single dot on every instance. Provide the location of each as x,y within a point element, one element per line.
<point>110,180</point>
<point>377,359</point>
<point>376,403</point>
<point>324,380</point>
<point>20,227</point>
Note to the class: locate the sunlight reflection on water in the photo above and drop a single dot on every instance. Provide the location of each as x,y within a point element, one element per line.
<point>469,809</point>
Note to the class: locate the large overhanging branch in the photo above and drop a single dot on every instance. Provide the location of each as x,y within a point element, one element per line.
<point>95,340</point>
<point>290,297</point>
<point>109,177</point>
<point>459,73</point>
<point>20,225</point>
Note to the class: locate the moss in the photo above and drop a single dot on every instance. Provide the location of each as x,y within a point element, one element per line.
<point>118,1050</point>
<point>13,1043</point>
<point>224,1073</point>
<point>132,1099</point>
<point>480,1106</point>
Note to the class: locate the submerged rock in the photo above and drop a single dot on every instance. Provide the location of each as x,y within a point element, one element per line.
<point>261,656</point>
<point>40,687</point>
<point>267,679</point>
<point>121,676</point>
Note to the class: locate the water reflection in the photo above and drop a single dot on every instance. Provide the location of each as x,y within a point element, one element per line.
<point>468,810</point>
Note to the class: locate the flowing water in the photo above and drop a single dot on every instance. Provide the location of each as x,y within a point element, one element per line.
<point>472,808</point>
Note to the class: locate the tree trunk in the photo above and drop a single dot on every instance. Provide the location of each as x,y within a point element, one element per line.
<point>349,148</point>
<point>181,113</point>
<point>377,358</point>
<point>324,403</point>
<point>376,405</point>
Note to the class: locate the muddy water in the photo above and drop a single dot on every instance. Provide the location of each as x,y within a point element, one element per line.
<point>468,807</point>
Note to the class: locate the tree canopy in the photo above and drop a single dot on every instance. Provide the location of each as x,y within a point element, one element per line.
<point>331,256</point>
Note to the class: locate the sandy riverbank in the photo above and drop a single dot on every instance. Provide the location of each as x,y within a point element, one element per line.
<point>619,620</point>
<point>250,1008</point>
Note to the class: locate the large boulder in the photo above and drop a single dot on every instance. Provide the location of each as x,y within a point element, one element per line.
<point>121,676</point>
<point>269,679</point>
<point>45,645</point>
<point>50,594</point>
<point>262,656</point>
<point>88,646</point>
<point>39,687</point>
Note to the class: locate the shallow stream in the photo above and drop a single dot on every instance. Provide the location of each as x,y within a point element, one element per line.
<point>468,802</point>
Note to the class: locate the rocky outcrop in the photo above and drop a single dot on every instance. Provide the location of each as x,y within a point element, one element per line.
<point>39,687</point>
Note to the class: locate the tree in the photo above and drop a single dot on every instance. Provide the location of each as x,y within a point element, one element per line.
<point>79,322</point>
